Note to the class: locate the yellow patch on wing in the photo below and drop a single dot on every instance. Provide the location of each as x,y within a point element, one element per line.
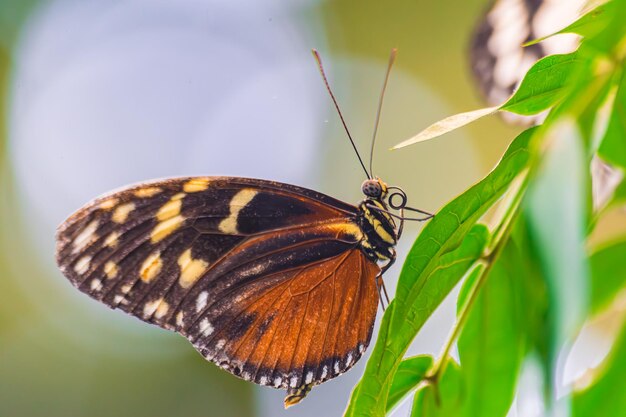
<point>108,204</point>
<point>151,267</point>
<point>196,185</point>
<point>190,269</point>
<point>165,228</point>
<point>121,212</point>
<point>169,218</point>
<point>110,269</point>
<point>238,202</point>
<point>147,192</point>
<point>112,239</point>
<point>85,237</point>
<point>171,208</point>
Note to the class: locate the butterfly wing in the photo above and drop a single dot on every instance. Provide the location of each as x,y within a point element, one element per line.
<point>498,59</point>
<point>265,279</point>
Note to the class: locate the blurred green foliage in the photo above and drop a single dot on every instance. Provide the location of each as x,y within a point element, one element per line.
<point>531,288</point>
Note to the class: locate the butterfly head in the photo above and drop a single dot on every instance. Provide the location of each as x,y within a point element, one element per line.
<point>374,188</point>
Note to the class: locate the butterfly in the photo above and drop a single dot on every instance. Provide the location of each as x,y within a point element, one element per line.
<point>498,58</point>
<point>276,284</point>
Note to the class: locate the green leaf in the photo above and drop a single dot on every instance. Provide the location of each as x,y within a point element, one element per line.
<point>538,322</point>
<point>609,40</point>
<point>543,85</point>
<point>608,274</point>
<point>613,146</point>
<point>442,400</point>
<point>446,125</point>
<point>409,374</point>
<point>447,247</point>
<point>468,285</point>
<point>555,210</point>
<point>605,397</point>
<point>371,397</point>
<point>587,25</point>
<point>491,344</point>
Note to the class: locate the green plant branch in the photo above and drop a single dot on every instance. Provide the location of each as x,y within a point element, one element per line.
<point>485,264</point>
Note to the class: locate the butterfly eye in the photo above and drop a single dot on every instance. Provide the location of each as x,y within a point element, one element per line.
<point>372,188</point>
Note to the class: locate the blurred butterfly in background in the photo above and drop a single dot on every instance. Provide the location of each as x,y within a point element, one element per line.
<point>276,284</point>
<point>499,61</point>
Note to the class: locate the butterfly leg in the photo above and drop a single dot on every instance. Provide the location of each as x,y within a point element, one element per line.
<point>400,227</point>
<point>380,284</point>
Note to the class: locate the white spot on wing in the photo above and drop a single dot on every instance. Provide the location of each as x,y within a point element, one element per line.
<point>150,307</point>
<point>309,377</point>
<point>119,299</point>
<point>179,319</point>
<point>336,367</point>
<point>82,265</point>
<point>324,372</point>
<point>349,359</point>
<point>294,382</point>
<point>220,344</point>
<point>263,380</point>
<point>278,381</point>
<point>87,236</point>
<point>206,328</point>
<point>96,285</point>
<point>201,301</point>
<point>161,310</point>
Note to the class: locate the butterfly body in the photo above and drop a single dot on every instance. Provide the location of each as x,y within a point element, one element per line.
<point>276,284</point>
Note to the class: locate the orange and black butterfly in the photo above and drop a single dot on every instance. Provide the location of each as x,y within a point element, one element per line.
<point>277,284</point>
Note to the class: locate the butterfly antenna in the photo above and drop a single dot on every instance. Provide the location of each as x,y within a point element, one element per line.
<point>392,59</point>
<point>332,96</point>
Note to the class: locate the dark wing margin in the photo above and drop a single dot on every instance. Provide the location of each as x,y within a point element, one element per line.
<point>231,264</point>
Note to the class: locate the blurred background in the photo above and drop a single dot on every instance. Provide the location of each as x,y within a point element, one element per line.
<point>97,94</point>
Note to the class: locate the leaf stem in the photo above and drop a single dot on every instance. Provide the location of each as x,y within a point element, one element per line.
<point>483,265</point>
